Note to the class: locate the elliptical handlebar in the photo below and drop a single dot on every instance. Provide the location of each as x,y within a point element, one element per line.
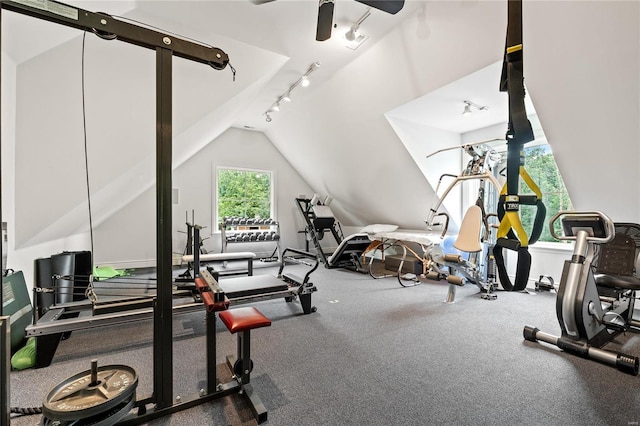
<point>608,228</point>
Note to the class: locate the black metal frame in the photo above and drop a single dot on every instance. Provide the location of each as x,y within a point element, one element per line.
<point>305,207</point>
<point>5,370</point>
<point>166,46</point>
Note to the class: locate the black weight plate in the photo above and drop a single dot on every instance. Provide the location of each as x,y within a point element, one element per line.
<point>237,367</point>
<point>75,398</point>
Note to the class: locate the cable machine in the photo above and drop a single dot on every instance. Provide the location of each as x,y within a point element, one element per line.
<point>166,46</point>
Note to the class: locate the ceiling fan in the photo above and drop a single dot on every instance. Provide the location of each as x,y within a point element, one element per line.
<point>325,13</point>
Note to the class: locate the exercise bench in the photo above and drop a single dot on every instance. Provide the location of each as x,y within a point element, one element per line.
<point>195,258</point>
<point>242,321</point>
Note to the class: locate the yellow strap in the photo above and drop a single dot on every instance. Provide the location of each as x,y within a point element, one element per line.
<point>511,220</point>
<point>515,48</point>
<point>529,180</point>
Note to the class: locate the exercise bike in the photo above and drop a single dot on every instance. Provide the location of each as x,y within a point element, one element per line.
<point>597,290</point>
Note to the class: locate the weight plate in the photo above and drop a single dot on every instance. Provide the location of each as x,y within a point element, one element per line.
<point>237,367</point>
<point>107,418</point>
<point>76,398</point>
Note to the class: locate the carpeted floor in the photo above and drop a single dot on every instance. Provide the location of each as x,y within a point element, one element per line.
<point>374,353</point>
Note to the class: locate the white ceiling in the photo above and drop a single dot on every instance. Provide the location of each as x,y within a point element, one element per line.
<point>286,27</point>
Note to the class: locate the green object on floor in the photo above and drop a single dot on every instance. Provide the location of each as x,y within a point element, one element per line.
<point>106,272</point>
<point>25,357</point>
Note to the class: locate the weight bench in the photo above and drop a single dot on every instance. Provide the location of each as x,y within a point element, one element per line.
<point>263,287</point>
<point>220,257</point>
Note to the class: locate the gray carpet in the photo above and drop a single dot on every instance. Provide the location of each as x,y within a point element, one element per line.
<point>374,353</point>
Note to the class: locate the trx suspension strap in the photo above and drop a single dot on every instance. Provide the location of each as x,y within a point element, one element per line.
<point>511,234</point>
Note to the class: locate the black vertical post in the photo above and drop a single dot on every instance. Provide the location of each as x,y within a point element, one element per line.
<point>1,271</point>
<point>212,380</point>
<point>163,320</point>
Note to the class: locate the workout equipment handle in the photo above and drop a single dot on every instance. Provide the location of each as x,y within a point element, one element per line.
<point>609,226</point>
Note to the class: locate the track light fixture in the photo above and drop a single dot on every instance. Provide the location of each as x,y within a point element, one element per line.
<point>353,37</point>
<point>286,96</point>
<point>469,104</point>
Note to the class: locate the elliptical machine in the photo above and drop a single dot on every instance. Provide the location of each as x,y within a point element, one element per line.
<point>593,308</point>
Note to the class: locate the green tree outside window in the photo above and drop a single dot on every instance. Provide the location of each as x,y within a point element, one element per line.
<point>244,193</point>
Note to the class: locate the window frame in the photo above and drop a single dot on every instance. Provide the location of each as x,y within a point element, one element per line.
<point>215,223</point>
<point>469,193</point>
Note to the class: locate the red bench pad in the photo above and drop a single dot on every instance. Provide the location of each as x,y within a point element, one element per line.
<point>242,319</point>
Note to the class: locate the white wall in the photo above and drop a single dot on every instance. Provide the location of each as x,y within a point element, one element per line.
<point>582,70</point>
<point>338,138</point>
<point>585,93</point>
<point>126,239</point>
<point>421,141</point>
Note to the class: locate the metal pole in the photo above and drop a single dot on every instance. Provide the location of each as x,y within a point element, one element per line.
<point>1,295</point>
<point>163,318</point>
<point>5,370</point>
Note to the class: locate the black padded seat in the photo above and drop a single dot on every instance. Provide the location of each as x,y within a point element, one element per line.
<point>617,281</point>
<point>616,267</point>
<point>255,285</point>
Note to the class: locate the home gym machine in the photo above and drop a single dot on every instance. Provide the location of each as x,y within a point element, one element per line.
<point>162,401</point>
<point>594,307</point>
<point>319,219</point>
<point>475,239</point>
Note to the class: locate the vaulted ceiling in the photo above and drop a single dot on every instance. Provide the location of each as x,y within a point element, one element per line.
<point>335,132</point>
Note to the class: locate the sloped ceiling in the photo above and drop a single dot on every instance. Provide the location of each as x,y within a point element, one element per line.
<point>335,134</point>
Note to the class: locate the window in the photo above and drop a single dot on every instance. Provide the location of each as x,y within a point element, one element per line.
<point>244,193</point>
<point>542,168</point>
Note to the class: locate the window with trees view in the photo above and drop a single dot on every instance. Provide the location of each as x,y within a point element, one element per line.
<point>244,193</point>
<point>541,166</point>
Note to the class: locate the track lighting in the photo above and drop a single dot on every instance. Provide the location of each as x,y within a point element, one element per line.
<point>469,104</point>
<point>353,37</point>
<point>286,96</point>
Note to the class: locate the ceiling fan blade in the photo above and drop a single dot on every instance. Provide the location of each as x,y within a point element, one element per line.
<point>389,6</point>
<point>325,20</point>
<point>260,1</point>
